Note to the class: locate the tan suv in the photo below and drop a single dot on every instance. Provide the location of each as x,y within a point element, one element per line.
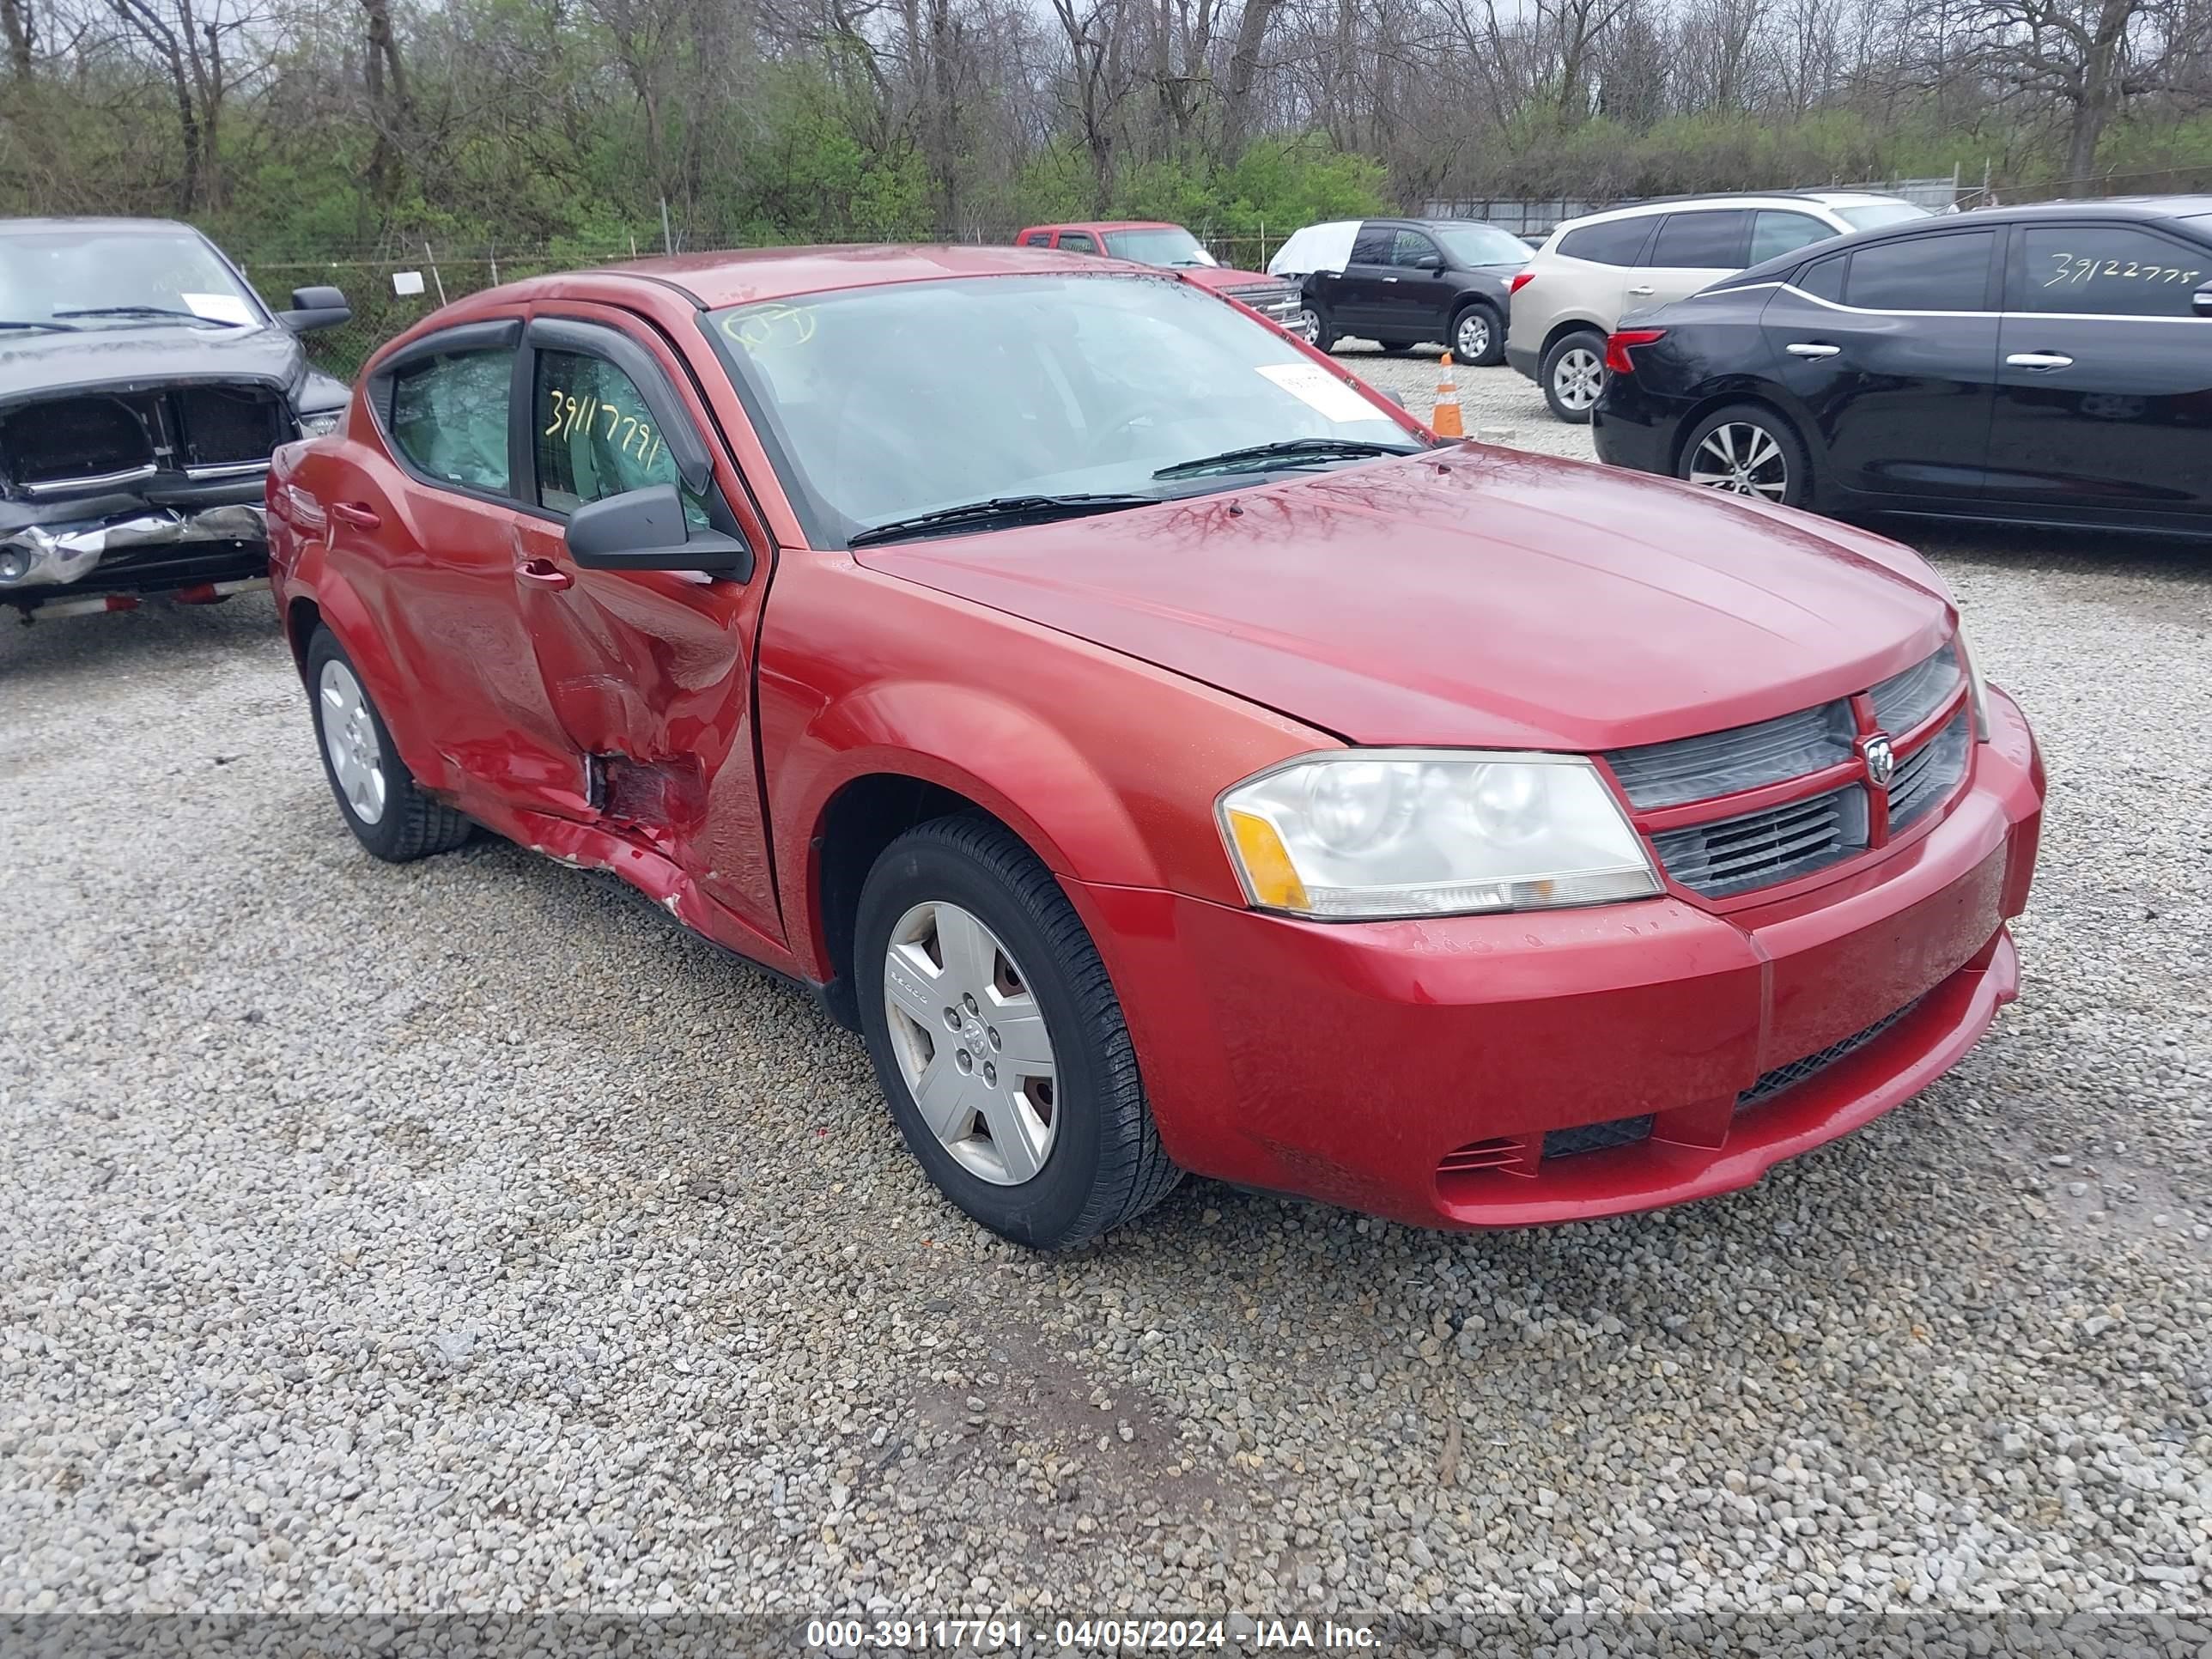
<point>1592,270</point>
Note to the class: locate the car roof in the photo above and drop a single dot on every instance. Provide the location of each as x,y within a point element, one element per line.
<point>2106,207</point>
<point>1110,224</point>
<point>740,278</point>
<point>1740,199</point>
<point>90,223</point>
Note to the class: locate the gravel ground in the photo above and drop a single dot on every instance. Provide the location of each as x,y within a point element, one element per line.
<point>464,1237</point>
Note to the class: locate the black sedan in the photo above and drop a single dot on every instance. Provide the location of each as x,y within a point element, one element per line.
<point>2049,364</point>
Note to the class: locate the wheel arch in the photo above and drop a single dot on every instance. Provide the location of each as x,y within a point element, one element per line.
<point>1753,397</point>
<point>1560,330</point>
<point>335,606</point>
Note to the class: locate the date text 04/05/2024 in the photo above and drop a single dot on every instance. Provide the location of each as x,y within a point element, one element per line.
<point>1081,1635</point>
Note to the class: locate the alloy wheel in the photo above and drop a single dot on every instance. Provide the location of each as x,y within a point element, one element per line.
<point>350,739</point>
<point>1306,324</point>
<point>1577,378</point>
<point>1473,339</point>
<point>1743,459</point>
<point>971,1043</point>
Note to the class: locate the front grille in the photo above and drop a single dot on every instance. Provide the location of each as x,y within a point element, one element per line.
<point>1597,1137</point>
<point>1757,849</point>
<point>228,425</point>
<point>85,437</point>
<point>1925,777</point>
<point>1277,302</point>
<point>1772,1083</point>
<point>93,441</point>
<point>1741,758</point>
<point>1902,701</point>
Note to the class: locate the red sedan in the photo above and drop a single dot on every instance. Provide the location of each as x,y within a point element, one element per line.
<point>1163,752</point>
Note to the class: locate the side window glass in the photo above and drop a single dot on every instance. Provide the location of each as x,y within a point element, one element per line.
<point>2111,270</point>
<point>449,417</point>
<point>1616,243</point>
<point>1078,241</point>
<point>1774,234</point>
<point>1824,278</point>
<point>1923,273</point>
<point>1037,239</point>
<point>1410,247</point>
<point>1711,241</point>
<point>1373,245</point>
<point>595,437</point>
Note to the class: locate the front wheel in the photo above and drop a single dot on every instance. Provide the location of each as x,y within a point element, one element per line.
<point>1745,450</point>
<point>1312,325</point>
<point>998,1040</point>
<point>1573,375</point>
<point>1477,340</point>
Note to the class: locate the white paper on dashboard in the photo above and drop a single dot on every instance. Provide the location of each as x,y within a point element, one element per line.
<point>219,308</point>
<point>1316,387</point>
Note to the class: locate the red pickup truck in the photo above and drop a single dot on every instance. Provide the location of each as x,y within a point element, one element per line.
<point>1154,242</point>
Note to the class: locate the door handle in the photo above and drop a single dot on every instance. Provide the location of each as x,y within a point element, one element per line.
<point>2039,360</point>
<point>1643,291</point>
<point>1389,279</point>
<point>544,573</point>
<point>353,513</point>
<point>1811,349</point>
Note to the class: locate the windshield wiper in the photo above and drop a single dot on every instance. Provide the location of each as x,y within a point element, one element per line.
<point>144,311</point>
<point>62,328</point>
<point>1000,509</point>
<point>1291,451</point>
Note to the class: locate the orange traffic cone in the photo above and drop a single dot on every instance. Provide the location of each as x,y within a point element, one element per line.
<point>1445,421</point>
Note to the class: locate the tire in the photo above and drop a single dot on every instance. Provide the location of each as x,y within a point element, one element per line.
<point>1397,348</point>
<point>1312,325</point>
<point>377,795</point>
<point>1573,375</point>
<point>1748,449</point>
<point>1100,1163</point>
<point>1478,336</point>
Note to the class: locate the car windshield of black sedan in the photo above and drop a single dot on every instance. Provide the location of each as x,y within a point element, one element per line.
<point>889,403</point>
<point>101,279</point>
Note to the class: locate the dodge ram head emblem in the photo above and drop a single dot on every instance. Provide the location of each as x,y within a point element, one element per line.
<point>1881,762</point>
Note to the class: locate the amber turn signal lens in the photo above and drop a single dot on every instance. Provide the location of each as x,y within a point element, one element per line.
<point>1268,868</point>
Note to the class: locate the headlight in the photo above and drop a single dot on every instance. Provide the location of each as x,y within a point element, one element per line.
<point>321,422</point>
<point>1978,687</point>
<point>1364,834</point>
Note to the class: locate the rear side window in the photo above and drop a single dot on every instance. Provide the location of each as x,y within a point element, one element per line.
<point>1037,239</point>
<point>2108,271</point>
<point>1824,278</point>
<point>1078,241</point>
<point>1775,232</point>
<point>1373,245</point>
<point>1617,242</point>
<point>1923,273</point>
<point>449,417</point>
<point>595,436</point>
<point>1701,241</point>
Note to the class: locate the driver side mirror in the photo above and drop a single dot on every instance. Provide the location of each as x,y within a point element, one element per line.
<point>315,307</point>
<point>1430,262</point>
<point>2202,299</point>
<point>645,530</point>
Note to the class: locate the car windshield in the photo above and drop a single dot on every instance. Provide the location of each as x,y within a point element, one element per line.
<point>1162,245</point>
<point>1483,245</point>
<point>1874,215</point>
<point>90,278</point>
<point>890,402</point>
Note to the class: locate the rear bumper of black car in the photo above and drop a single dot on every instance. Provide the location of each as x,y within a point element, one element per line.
<point>1632,428</point>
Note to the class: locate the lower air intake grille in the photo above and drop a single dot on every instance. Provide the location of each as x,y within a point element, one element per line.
<point>1596,1136</point>
<point>1788,1076</point>
<point>1760,849</point>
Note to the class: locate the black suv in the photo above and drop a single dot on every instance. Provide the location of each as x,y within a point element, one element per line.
<point>143,385</point>
<point>2049,364</point>
<point>1404,281</point>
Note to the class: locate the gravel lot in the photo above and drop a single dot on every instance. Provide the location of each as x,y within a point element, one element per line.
<point>464,1237</point>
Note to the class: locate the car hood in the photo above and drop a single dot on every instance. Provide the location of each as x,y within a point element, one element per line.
<point>1222,280</point>
<point>125,355</point>
<point>1474,596</point>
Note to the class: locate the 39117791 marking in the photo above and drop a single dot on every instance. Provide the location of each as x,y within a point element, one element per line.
<point>915,1635</point>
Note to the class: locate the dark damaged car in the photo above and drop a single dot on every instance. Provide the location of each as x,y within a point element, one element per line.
<point>143,385</point>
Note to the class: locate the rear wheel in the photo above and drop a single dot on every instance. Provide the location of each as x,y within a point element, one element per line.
<point>377,795</point>
<point>1746,450</point>
<point>1477,340</point>
<point>1573,375</point>
<point>998,1040</point>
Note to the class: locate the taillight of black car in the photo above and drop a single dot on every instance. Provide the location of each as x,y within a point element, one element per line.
<point>1621,342</point>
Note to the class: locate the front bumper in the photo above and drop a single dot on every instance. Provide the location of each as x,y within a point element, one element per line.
<point>1424,1070</point>
<point>132,547</point>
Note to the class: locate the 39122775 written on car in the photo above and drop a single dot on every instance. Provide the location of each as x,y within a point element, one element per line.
<point>1165,752</point>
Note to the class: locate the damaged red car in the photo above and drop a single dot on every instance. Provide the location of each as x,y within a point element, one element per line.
<point>1165,752</point>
